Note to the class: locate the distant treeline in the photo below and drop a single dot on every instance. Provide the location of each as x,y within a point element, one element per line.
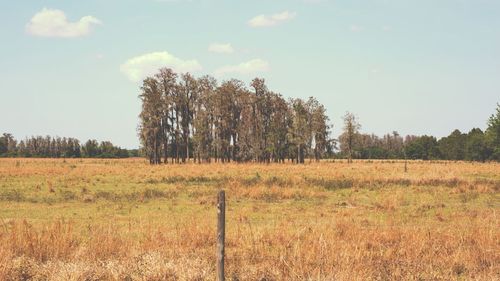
<point>475,145</point>
<point>57,147</point>
<point>184,118</point>
<point>471,146</point>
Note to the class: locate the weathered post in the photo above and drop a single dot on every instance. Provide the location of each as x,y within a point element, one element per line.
<point>221,229</point>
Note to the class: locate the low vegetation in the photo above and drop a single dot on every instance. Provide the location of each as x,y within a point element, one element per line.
<point>89,219</point>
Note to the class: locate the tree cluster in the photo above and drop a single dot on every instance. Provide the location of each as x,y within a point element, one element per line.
<point>57,147</point>
<point>475,145</point>
<point>185,118</point>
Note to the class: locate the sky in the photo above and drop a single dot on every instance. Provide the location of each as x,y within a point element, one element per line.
<point>74,68</point>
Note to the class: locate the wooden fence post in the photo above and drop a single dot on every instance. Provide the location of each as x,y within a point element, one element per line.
<point>221,229</point>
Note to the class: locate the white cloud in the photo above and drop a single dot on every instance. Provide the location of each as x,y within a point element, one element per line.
<point>54,23</point>
<point>249,67</point>
<point>356,28</point>
<point>386,28</point>
<point>271,20</point>
<point>221,48</point>
<point>139,67</point>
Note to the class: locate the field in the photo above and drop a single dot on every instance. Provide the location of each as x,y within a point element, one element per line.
<point>126,220</point>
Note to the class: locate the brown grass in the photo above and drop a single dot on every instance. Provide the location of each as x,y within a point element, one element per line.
<point>328,221</point>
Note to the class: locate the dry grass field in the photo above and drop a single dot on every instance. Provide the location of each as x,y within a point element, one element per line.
<point>126,220</point>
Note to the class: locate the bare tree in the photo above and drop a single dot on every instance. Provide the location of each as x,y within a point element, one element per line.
<point>350,134</point>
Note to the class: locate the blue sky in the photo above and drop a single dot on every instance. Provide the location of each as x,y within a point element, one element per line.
<point>418,67</point>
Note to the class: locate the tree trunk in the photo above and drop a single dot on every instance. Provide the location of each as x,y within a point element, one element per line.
<point>187,146</point>
<point>165,150</point>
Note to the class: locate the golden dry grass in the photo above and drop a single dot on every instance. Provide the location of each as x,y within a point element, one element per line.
<point>126,220</point>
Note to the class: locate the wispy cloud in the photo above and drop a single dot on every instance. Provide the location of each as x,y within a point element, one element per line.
<point>224,48</point>
<point>356,28</point>
<point>249,67</point>
<point>271,20</point>
<point>54,23</point>
<point>137,68</point>
<point>386,28</point>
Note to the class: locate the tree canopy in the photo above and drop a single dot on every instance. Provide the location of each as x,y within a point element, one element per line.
<point>185,118</point>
